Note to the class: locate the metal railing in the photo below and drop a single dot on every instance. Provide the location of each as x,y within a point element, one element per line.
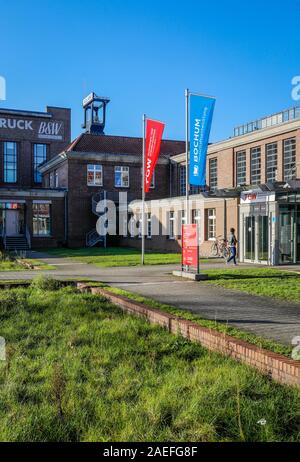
<point>92,238</point>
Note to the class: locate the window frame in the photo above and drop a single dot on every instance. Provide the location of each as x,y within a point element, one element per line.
<point>37,176</point>
<point>286,176</point>
<point>271,162</point>
<point>171,225</point>
<point>241,168</point>
<point>255,169</point>
<point>122,170</point>
<point>9,162</point>
<point>211,223</point>
<point>37,216</point>
<point>213,173</point>
<point>94,169</point>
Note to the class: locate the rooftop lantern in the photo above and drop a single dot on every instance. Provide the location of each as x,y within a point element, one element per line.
<point>94,114</point>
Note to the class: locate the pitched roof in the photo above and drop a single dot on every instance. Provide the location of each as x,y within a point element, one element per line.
<point>110,144</point>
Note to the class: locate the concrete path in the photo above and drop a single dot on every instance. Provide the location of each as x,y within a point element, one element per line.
<point>273,319</point>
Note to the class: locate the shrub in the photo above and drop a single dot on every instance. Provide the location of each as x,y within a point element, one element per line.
<point>46,283</point>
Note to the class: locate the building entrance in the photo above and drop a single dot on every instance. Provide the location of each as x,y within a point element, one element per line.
<point>289,233</point>
<point>256,241</point>
<point>12,222</point>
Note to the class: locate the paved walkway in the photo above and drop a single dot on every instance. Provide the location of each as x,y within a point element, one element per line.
<point>278,320</point>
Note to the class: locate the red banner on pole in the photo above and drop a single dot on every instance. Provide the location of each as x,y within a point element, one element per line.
<point>154,132</point>
<point>190,250</point>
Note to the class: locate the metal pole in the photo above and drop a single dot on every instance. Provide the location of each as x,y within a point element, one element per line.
<point>187,184</point>
<point>143,191</point>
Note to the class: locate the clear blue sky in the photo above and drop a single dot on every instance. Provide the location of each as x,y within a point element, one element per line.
<point>143,54</point>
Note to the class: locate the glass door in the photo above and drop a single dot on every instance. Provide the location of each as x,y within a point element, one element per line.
<point>263,238</point>
<point>250,238</point>
<point>287,234</point>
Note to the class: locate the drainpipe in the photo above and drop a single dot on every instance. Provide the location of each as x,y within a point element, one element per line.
<point>170,179</point>
<point>225,219</point>
<point>66,216</point>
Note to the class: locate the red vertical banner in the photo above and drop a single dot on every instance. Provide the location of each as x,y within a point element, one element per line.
<point>154,132</point>
<point>190,246</point>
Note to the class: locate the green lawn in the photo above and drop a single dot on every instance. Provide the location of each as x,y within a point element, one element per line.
<point>78,369</point>
<point>258,281</point>
<point>15,266</point>
<point>117,256</point>
<point>261,342</point>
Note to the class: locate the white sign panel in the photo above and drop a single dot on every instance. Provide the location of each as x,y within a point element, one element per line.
<point>256,195</point>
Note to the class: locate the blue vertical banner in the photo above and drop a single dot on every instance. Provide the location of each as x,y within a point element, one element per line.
<point>200,120</point>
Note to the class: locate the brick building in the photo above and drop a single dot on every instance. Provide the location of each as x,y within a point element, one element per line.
<point>29,214</point>
<point>253,185</point>
<point>96,164</point>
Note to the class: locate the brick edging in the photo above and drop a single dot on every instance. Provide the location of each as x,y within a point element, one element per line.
<point>276,366</point>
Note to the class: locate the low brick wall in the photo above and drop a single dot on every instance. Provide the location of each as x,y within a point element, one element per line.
<point>278,367</point>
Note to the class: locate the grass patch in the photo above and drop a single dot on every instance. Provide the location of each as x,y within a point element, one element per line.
<point>39,265</point>
<point>78,369</point>
<point>258,281</point>
<point>220,327</point>
<point>117,256</point>
<point>8,265</point>
<point>12,265</point>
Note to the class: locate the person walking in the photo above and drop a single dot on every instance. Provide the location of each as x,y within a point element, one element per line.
<point>232,241</point>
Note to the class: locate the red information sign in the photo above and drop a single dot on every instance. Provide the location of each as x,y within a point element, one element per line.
<point>190,250</point>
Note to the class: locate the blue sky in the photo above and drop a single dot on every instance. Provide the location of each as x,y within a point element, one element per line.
<point>143,54</point>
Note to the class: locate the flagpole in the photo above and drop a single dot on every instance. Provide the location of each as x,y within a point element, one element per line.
<point>187,183</point>
<point>143,191</point>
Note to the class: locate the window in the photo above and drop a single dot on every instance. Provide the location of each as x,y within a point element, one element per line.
<point>240,168</point>
<point>171,225</point>
<point>122,177</point>
<point>10,162</point>
<point>211,224</point>
<point>255,166</point>
<point>182,183</point>
<point>182,180</point>
<point>94,175</point>
<point>149,225</point>
<point>213,174</point>
<point>41,219</point>
<point>196,217</point>
<point>271,161</point>
<point>39,156</point>
<point>182,219</point>
<point>289,159</point>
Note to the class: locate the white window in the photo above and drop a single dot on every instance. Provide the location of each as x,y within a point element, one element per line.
<point>211,224</point>
<point>122,177</point>
<point>149,225</point>
<point>196,217</point>
<point>171,225</point>
<point>183,217</point>
<point>94,175</point>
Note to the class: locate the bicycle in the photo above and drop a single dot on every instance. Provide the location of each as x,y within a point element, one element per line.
<point>219,248</point>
